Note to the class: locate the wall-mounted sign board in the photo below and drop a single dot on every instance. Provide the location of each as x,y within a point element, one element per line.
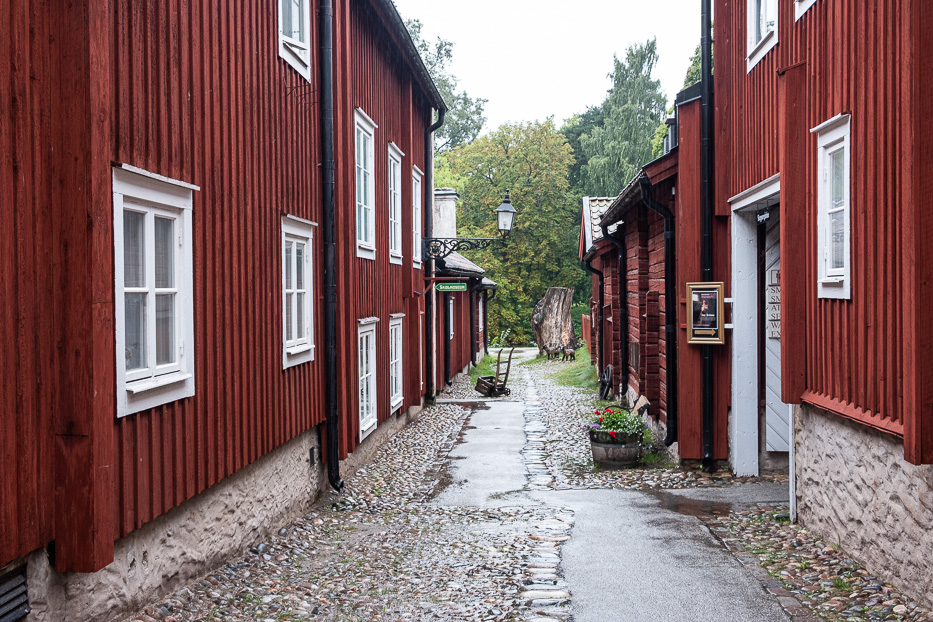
<point>705,314</point>
<point>451,287</point>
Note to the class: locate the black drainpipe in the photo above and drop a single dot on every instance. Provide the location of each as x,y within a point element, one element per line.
<point>619,242</point>
<point>486,300</point>
<point>330,264</point>
<point>706,210</point>
<point>426,262</point>
<point>670,307</point>
<point>588,265</point>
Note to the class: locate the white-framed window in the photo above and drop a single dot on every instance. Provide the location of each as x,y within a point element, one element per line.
<point>295,34</point>
<point>801,6</point>
<point>396,396</point>
<point>450,317</point>
<point>416,224</point>
<point>297,291</point>
<point>479,312</point>
<point>365,186</point>
<point>834,240</point>
<point>395,203</point>
<point>762,29</point>
<point>367,375</point>
<point>154,303</point>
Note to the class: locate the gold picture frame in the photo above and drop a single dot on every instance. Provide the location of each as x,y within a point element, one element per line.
<point>705,313</point>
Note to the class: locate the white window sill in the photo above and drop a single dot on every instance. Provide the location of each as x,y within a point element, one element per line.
<point>395,259</point>
<point>367,430</point>
<point>834,287</point>
<point>305,347</point>
<point>365,252</point>
<point>760,49</point>
<point>416,265</point>
<point>397,402</point>
<point>296,355</point>
<point>141,386</point>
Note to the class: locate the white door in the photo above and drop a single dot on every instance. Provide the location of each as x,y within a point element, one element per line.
<point>776,411</point>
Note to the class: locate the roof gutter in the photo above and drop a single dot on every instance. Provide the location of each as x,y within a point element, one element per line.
<point>332,415</point>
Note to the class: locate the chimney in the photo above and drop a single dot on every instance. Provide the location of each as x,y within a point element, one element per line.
<point>445,213</point>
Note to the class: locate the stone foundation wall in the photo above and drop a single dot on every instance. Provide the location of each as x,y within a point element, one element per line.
<point>199,535</point>
<point>855,488</point>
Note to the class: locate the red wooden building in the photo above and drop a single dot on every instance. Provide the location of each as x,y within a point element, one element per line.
<point>822,125</point>
<point>165,176</point>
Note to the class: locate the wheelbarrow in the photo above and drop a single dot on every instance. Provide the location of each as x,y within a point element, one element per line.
<point>495,386</point>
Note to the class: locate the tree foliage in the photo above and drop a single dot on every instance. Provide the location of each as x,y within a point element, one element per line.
<point>573,129</point>
<point>532,160</point>
<point>464,120</point>
<point>621,145</point>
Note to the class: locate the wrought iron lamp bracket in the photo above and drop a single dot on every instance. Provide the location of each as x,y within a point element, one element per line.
<point>438,248</point>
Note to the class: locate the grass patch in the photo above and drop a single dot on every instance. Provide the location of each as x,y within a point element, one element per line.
<point>577,373</point>
<point>486,367</point>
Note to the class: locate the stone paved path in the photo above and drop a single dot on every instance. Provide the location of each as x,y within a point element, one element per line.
<point>490,510</point>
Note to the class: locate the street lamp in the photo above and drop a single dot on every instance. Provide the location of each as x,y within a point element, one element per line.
<point>438,248</point>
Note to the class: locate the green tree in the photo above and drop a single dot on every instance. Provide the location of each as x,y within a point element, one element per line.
<point>532,160</point>
<point>464,120</point>
<point>635,106</point>
<point>693,76</point>
<point>573,129</point>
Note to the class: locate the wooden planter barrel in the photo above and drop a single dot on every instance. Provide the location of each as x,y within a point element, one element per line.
<point>621,451</point>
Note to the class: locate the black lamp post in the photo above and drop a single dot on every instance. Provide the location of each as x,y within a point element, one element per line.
<point>438,248</point>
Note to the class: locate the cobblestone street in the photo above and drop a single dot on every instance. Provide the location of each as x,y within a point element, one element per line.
<point>420,535</point>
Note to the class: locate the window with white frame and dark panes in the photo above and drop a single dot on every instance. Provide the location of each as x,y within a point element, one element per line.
<point>395,203</point>
<point>396,396</point>
<point>367,376</point>
<point>297,300</point>
<point>416,177</point>
<point>834,208</point>
<point>295,35</point>
<point>154,304</point>
<point>365,130</point>
<point>762,29</point>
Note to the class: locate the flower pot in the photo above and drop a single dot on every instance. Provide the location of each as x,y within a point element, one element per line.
<point>617,451</point>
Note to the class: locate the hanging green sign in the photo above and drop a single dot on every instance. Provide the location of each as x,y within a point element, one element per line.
<point>451,287</point>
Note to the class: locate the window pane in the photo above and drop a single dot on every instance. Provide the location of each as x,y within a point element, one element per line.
<point>135,310</point>
<point>289,333</point>
<point>288,265</point>
<point>165,329</point>
<point>299,266</point>
<point>300,316</point>
<point>838,173</point>
<point>164,252</point>
<point>298,22</point>
<point>837,231</point>
<point>134,248</point>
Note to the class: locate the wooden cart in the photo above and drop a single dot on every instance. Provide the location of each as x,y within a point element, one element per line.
<point>495,386</point>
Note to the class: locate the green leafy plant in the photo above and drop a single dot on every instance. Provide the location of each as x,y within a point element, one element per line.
<point>616,422</point>
<point>499,341</point>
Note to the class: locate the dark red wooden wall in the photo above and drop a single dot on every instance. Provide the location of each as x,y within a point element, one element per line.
<point>844,56</point>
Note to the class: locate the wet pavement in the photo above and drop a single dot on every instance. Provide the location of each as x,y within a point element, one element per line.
<point>491,510</point>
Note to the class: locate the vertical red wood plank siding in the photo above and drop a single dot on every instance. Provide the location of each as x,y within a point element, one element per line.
<point>859,59</point>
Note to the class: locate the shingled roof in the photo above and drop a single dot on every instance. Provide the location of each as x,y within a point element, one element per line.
<point>593,210</point>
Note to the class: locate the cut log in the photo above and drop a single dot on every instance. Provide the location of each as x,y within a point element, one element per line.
<point>551,321</point>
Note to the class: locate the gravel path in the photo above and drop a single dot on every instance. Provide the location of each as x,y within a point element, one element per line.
<point>383,551</point>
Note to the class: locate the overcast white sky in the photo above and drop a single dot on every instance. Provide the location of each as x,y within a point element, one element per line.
<point>536,58</point>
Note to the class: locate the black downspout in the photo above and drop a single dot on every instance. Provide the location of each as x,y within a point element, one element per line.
<point>447,324</point>
<point>330,263</point>
<point>670,307</point>
<point>623,298</point>
<point>428,263</point>
<point>588,265</point>
<point>706,208</point>
<point>472,294</point>
<point>486,321</point>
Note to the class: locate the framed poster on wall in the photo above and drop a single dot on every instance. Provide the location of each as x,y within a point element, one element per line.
<point>705,317</point>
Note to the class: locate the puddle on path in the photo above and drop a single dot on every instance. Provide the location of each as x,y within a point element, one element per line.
<point>691,507</point>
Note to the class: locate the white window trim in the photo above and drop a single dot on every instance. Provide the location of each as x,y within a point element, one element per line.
<point>450,318</point>
<point>395,157</point>
<point>417,216</point>
<point>479,315</point>
<point>366,248</point>
<point>302,351</point>
<point>801,6</point>
<point>295,52</point>
<point>830,136</point>
<point>163,194</point>
<point>368,424</point>
<point>757,50</point>
<point>396,343</point>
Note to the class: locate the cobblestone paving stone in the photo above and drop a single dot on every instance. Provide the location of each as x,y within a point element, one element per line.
<point>810,578</point>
